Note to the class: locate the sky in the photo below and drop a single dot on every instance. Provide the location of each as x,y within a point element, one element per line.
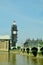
<point>28,15</point>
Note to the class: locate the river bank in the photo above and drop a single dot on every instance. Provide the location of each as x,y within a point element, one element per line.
<point>26,54</point>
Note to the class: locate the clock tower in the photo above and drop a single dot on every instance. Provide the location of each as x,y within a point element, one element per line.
<point>14,34</point>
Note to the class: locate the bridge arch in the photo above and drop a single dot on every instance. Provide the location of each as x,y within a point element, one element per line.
<point>41,50</point>
<point>34,50</point>
<point>27,50</point>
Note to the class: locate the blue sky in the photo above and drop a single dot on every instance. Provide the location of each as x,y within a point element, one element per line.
<point>28,15</point>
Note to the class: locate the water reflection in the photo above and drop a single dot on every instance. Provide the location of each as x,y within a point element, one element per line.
<point>36,61</point>
<point>17,59</point>
<point>3,57</point>
<point>7,59</point>
<point>12,58</point>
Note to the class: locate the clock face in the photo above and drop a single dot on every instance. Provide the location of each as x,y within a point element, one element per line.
<point>14,32</point>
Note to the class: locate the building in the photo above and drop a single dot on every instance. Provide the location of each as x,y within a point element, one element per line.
<point>14,34</point>
<point>33,43</point>
<point>4,43</point>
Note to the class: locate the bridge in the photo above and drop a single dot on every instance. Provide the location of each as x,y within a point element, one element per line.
<point>33,50</point>
<point>30,48</point>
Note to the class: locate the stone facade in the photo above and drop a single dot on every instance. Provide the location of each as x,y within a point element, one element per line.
<point>4,44</point>
<point>33,43</point>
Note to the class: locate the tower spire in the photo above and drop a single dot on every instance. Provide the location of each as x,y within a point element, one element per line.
<point>14,22</point>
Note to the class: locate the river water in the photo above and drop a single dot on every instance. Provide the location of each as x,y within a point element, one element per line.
<point>17,59</point>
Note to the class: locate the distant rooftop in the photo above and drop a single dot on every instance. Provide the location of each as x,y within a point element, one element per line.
<point>4,37</point>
